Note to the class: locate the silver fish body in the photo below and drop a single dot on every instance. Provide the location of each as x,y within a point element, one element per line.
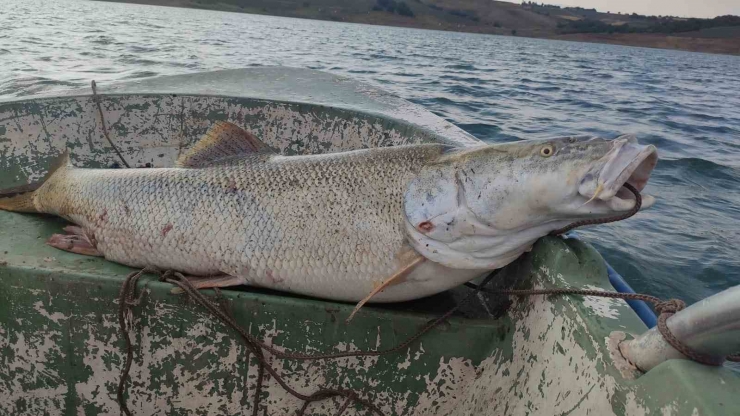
<point>337,226</point>
<point>329,226</point>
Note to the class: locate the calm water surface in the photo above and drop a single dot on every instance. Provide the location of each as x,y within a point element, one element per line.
<point>497,88</point>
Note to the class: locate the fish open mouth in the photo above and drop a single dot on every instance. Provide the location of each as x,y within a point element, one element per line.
<point>627,162</point>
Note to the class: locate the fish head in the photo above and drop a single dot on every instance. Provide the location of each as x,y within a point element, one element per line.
<point>481,207</point>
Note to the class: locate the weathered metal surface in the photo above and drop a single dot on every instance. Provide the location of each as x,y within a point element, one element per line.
<point>61,351</point>
<point>710,327</point>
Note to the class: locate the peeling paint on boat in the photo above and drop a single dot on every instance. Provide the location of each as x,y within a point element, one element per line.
<point>447,387</point>
<point>28,373</point>
<point>633,407</point>
<point>155,129</point>
<point>603,307</point>
<point>55,317</point>
<point>627,370</point>
<point>552,366</point>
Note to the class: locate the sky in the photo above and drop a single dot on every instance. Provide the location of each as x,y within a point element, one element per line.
<point>681,8</point>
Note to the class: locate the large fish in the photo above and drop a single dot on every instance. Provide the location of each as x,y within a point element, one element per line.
<point>413,220</point>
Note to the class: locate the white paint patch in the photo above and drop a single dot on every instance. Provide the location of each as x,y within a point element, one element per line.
<point>407,362</point>
<point>420,352</point>
<point>626,368</point>
<point>632,406</point>
<point>444,391</point>
<point>603,307</point>
<point>549,371</point>
<point>33,382</point>
<point>105,376</point>
<point>55,317</point>
<point>669,410</point>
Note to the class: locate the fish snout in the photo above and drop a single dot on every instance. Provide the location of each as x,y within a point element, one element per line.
<point>628,162</point>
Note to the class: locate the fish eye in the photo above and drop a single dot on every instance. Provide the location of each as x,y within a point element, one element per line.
<point>547,150</point>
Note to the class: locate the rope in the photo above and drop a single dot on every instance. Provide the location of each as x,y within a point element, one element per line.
<point>344,407</point>
<point>96,98</point>
<point>665,310</point>
<point>633,211</point>
<point>127,299</point>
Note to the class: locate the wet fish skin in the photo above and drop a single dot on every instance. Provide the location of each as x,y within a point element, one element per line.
<point>329,226</point>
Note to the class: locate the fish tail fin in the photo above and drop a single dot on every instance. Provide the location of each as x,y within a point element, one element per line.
<point>18,203</point>
<point>21,198</point>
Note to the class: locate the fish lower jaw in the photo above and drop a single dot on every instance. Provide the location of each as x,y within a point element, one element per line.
<point>629,163</point>
<point>624,200</point>
<point>616,198</point>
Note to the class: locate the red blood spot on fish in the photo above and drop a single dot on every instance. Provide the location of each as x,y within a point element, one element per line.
<point>272,277</point>
<point>425,226</point>
<point>103,216</point>
<point>167,228</point>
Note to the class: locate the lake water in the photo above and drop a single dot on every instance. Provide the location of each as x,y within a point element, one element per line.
<point>497,88</point>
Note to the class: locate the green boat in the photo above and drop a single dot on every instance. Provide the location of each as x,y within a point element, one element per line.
<point>62,350</point>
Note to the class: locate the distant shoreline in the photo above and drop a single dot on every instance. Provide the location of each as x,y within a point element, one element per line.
<point>680,43</point>
<point>685,42</point>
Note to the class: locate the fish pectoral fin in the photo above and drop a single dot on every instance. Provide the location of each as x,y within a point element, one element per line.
<point>75,241</point>
<point>209,282</point>
<point>222,142</point>
<point>398,277</point>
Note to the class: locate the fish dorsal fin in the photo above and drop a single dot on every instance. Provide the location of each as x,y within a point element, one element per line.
<point>223,140</point>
